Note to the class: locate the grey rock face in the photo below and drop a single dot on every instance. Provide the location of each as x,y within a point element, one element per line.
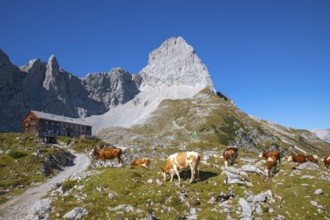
<point>112,88</point>
<point>323,134</point>
<point>10,93</point>
<point>174,63</point>
<point>46,87</point>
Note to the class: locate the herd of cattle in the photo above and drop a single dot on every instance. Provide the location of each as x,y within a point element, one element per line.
<point>184,161</point>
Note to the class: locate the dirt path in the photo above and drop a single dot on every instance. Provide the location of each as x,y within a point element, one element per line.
<point>17,208</point>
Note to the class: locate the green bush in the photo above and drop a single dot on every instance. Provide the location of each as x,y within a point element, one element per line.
<point>68,184</point>
<point>17,154</point>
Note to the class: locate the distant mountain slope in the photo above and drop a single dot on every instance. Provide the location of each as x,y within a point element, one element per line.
<point>208,119</point>
<point>174,71</point>
<point>138,110</point>
<point>322,134</point>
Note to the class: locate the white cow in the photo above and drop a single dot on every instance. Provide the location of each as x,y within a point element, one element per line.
<point>182,161</point>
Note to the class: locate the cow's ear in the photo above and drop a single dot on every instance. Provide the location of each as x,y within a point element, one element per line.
<point>162,169</point>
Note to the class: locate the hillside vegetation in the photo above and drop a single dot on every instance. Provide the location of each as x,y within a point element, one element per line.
<point>138,193</point>
<point>213,120</point>
<point>25,161</point>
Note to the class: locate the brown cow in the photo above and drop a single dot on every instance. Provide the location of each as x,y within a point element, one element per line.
<point>182,161</point>
<point>107,153</point>
<point>230,155</point>
<point>274,153</point>
<point>326,161</point>
<point>271,164</point>
<point>297,158</point>
<point>144,162</point>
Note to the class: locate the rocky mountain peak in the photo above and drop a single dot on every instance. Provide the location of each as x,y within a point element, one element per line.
<point>32,67</point>
<point>4,59</point>
<point>175,63</point>
<point>52,74</point>
<point>9,73</point>
<point>52,63</point>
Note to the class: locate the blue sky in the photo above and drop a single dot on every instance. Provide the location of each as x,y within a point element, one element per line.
<point>271,57</point>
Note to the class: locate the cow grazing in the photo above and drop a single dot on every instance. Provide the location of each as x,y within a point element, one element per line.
<point>326,161</point>
<point>268,154</point>
<point>182,161</point>
<point>312,158</point>
<point>297,158</point>
<point>271,164</point>
<point>107,153</point>
<point>144,162</point>
<point>230,155</point>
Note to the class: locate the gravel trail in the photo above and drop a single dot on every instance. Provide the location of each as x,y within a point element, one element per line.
<point>17,208</point>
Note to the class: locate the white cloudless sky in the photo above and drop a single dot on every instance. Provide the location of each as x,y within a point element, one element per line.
<point>272,58</point>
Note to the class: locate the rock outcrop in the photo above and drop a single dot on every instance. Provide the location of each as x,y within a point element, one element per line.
<point>112,88</point>
<point>174,63</point>
<point>323,134</point>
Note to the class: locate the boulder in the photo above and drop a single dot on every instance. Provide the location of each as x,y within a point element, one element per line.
<point>76,213</point>
<point>246,209</point>
<point>41,209</point>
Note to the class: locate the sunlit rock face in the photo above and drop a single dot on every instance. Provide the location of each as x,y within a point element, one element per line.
<point>174,63</point>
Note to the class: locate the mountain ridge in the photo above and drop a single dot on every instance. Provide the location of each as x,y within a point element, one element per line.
<point>45,86</point>
<point>174,83</point>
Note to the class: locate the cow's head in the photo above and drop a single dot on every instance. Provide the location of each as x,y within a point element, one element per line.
<point>166,174</point>
<point>262,154</point>
<point>93,152</point>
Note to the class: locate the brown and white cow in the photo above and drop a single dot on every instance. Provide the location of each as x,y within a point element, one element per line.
<point>271,164</point>
<point>274,153</point>
<point>107,153</point>
<point>144,162</point>
<point>297,158</point>
<point>326,161</point>
<point>312,158</point>
<point>181,161</point>
<point>302,158</point>
<point>230,155</point>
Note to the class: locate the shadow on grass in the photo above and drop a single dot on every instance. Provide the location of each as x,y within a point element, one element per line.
<point>204,175</point>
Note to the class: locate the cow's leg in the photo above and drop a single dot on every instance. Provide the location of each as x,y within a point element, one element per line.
<point>192,178</point>
<point>172,175</point>
<point>267,172</point>
<point>234,158</point>
<point>226,163</point>
<point>197,172</point>
<point>145,166</point>
<point>178,174</point>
